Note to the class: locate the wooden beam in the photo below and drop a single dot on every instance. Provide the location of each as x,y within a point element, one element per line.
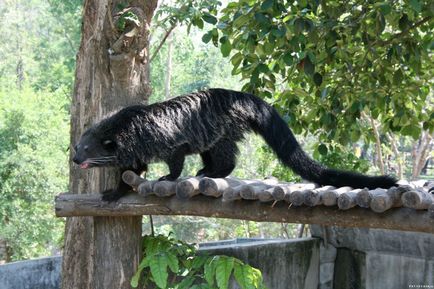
<point>404,219</point>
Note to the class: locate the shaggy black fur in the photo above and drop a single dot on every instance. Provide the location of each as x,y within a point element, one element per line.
<point>208,123</point>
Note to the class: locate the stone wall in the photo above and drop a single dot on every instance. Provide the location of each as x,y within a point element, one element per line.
<point>43,273</point>
<point>375,259</point>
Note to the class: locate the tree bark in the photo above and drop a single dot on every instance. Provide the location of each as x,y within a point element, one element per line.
<point>111,72</point>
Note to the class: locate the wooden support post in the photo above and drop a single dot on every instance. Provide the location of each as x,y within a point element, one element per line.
<point>117,251</point>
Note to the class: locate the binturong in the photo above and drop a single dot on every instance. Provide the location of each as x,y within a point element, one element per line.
<point>209,123</point>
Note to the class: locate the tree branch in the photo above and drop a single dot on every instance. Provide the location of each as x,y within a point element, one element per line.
<point>162,42</point>
<point>402,33</point>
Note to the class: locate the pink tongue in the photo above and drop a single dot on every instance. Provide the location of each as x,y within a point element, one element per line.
<point>84,165</point>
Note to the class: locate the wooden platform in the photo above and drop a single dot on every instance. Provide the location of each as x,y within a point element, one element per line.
<point>185,197</point>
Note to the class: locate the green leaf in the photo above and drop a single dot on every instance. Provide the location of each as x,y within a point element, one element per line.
<point>226,48</point>
<point>135,280</point>
<point>298,25</point>
<point>322,149</point>
<point>309,67</point>
<point>209,18</point>
<point>186,283</point>
<point>288,59</point>
<point>317,79</point>
<point>415,4</point>
<point>158,265</point>
<point>244,276</point>
<point>207,37</point>
<point>224,268</point>
<point>236,59</point>
<point>267,4</point>
<point>209,270</point>
<point>385,8</point>
<point>397,77</point>
<point>268,47</point>
<point>198,22</point>
<point>172,261</point>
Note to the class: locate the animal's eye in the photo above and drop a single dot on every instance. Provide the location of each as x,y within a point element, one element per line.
<point>108,143</point>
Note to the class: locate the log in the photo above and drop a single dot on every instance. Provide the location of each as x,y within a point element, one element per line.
<point>231,194</point>
<point>278,192</point>
<point>165,188</point>
<point>132,179</point>
<point>266,195</point>
<point>187,188</point>
<point>417,199</point>
<point>431,211</point>
<point>252,191</point>
<point>146,188</point>
<point>296,198</point>
<point>383,200</point>
<point>330,197</point>
<point>215,187</point>
<point>315,197</point>
<point>294,193</point>
<point>380,200</point>
<point>404,219</point>
<point>363,198</point>
<point>347,200</point>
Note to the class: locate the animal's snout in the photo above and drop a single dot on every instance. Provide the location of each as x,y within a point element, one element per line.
<point>75,160</point>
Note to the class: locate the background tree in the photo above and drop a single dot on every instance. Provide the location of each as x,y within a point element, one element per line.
<point>111,72</point>
<point>36,74</point>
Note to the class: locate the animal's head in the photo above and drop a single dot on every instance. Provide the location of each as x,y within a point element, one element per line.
<point>95,150</point>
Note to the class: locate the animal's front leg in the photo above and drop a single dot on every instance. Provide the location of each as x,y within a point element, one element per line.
<point>122,188</point>
<point>112,195</point>
<point>175,163</point>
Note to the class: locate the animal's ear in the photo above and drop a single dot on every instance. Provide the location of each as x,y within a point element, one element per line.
<point>108,144</point>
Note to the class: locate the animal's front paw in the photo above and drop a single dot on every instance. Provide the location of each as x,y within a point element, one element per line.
<point>111,195</point>
<point>167,178</point>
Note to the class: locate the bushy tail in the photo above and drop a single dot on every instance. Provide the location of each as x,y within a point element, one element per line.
<point>280,138</point>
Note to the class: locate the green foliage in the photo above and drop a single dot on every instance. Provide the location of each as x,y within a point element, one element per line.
<point>326,63</point>
<point>170,263</point>
<point>339,157</point>
<point>42,41</point>
<point>33,168</point>
<point>127,17</point>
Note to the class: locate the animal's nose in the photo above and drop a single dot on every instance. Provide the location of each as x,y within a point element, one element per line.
<point>75,160</point>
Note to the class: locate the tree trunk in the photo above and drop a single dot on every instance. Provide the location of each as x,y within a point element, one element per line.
<point>420,153</point>
<point>398,158</point>
<point>378,149</point>
<point>111,72</point>
<point>167,81</point>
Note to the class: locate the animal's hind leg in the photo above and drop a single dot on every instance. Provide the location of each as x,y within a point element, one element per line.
<point>223,158</point>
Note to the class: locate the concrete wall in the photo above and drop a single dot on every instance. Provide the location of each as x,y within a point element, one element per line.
<point>375,259</point>
<point>284,263</point>
<point>337,258</point>
<point>43,273</point>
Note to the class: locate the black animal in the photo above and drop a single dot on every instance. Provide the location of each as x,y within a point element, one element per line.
<point>208,123</point>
